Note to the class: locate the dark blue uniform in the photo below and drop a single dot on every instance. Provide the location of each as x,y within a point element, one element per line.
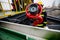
<point>44,15</point>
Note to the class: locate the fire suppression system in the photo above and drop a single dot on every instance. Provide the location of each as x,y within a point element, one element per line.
<point>34,11</point>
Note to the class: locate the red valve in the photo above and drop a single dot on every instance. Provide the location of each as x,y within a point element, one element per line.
<point>37,16</point>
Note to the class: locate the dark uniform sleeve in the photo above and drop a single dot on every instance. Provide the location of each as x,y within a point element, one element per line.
<point>45,17</point>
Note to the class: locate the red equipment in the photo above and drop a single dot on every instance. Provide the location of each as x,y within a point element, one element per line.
<point>33,11</point>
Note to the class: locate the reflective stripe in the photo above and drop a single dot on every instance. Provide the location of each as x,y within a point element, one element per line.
<point>45,22</point>
<point>42,15</point>
<point>44,10</point>
<point>40,25</point>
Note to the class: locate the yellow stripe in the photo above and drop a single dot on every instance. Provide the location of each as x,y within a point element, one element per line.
<point>42,15</point>
<point>40,25</point>
<point>45,22</point>
<point>44,10</point>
